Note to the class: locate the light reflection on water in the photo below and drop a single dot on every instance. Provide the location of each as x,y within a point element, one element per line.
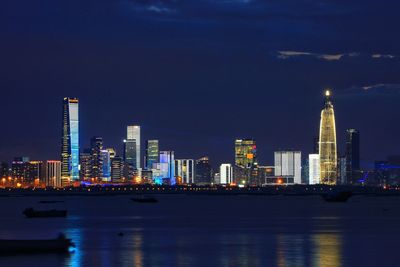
<point>311,234</point>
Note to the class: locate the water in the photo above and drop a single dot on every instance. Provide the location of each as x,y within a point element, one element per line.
<point>211,231</point>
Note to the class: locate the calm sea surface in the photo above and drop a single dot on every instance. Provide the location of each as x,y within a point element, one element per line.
<point>211,231</point>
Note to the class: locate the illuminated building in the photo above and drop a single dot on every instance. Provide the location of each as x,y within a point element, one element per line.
<point>288,164</point>
<point>342,171</point>
<point>34,172</point>
<point>184,168</point>
<point>203,171</point>
<point>152,153</point>
<point>117,169</point>
<point>245,153</point>
<point>352,156</point>
<point>111,152</point>
<point>52,173</point>
<point>19,167</point>
<point>96,146</point>
<point>132,146</point>
<point>226,173</point>
<point>105,165</point>
<point>313,167</point>
<point>265,172</point>
<point>166,165</point>
<point>70,141</point>
<point>85,164</point>
<point>327,143</point>
<point>3,169</point>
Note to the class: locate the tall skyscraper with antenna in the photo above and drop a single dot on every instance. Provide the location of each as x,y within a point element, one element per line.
<point>327,143</point>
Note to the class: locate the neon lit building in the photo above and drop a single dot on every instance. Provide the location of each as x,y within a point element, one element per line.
<point>70,141</point>
<point>96,146</point>
<point>313,168</point>
<point>166,165</point>
<point>105,165</point>
<point>327,143</point>
<point>226,173</point>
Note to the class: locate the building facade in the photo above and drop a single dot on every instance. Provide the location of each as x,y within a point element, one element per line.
<point>184,170</point>
<point>288,163</point>
<point>203,171</point>
<point>226,173</point>
<point>52,173</point>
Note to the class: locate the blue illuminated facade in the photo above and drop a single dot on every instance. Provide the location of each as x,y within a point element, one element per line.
<point>70,141</point>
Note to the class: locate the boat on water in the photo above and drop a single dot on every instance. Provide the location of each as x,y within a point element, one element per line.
<point>144,200</point>
<point>342,196</point>
<point>31,213</point>
<point>58,245</point>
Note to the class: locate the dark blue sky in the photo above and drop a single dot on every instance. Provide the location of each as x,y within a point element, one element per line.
<point>198,74</point>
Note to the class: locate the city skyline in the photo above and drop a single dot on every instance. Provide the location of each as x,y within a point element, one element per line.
<point>187,70</point>
<point>135,130</point>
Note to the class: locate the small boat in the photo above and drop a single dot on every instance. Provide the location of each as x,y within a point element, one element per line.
<point>50,201</point>
<point>145,200</point>
<point>337,196</point>
<point>57,245</point>
<point>31,213</point>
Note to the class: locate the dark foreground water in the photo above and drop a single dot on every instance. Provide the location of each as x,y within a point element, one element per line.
<point>211,231</point>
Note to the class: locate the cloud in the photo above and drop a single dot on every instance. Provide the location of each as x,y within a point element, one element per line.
<point>383,56</point>
<point>379,89</point>
<point>159,9</point>
<point>327,57</point>
<point>331,57</point>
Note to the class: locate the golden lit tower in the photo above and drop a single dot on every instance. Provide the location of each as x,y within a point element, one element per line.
<point>327,143</point>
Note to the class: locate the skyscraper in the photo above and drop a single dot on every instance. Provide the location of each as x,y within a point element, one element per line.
<point>152,153</point>
<point>327,143</point>
<point>203,171</point>
<point>105,165</point>
<point>313,167</point>
<point>117,169</point>
<point>96,146</point>
<point>245,153</point>
<point>132,146</point>
<point>70,141</point>
<point>288,163</point>
<point>352,155</point>
<point>167,162</point>
<point>184,168</point>
<point>85,159</point>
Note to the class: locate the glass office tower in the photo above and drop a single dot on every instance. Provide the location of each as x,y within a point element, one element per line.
<point>132,146</point>
<point>70,141</point>
<point>152,153</point>
<point>327,143</point>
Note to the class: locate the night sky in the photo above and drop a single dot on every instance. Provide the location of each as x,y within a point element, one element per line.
<point>197,74</point>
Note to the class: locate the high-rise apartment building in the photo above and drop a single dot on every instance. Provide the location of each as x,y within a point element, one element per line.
<point>327,143</point>
<point>85,164</point>
<point>70,141</point>
<point>117,169</point>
